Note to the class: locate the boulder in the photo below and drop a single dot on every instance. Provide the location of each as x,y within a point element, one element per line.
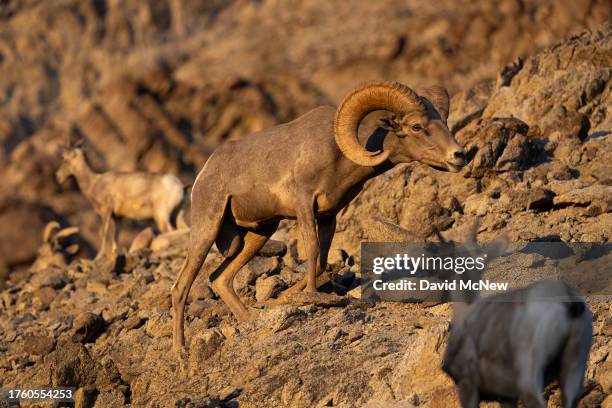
<point>268,287</point>
<point>495,144</point>
<point>71,365</point>
<point>38,345</point>
<point>87,327</point>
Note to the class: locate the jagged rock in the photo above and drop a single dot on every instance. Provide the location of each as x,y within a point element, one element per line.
<point>208,342</point>
<point>54,278</point>
<point>316,298</point>
<point>424,218</point>
<point>598,193</point>
<point>566,78</point>
<point>86,327</point>
<point>142,240</point>
<point>43,297</point>
<point>273,248</point>
<point>201,291</point>
<point>560,172</point>
<point>85,397</point>
<point>498,144</point>
<point>133,322</point>
<point>526,198</point>
<point>281,318</point>
<point>206,402</point>
<point>263,266</point>
<point>268,287</point>
<point>562,187</point>
<point>290,276</point>
<point>256,267</point>
<point>38,345</point>
<point>604,375</point>
<point>469,105</point>
<point>110,399</point>
<point>71,365</point>
<point>478,204</point>
<point>158,325</point>
<point>177,238</point>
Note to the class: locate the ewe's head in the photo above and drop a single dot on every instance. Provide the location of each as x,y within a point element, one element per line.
<point>71,159</point>
<point>417,127</point>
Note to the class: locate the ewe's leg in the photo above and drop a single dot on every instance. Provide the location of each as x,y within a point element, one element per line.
<point>162,220</point>
<point>223,284</point>
<point>531,388</point>
<point>468,393</point>
<point>206,219</point>
<point>108,238</point>
<point>575,356</point>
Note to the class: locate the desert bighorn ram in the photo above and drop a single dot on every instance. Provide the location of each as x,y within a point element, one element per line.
<point>134,195</point>
<point>308,170</point>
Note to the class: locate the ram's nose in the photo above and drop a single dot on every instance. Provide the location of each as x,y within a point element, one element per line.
<point>456,160</point>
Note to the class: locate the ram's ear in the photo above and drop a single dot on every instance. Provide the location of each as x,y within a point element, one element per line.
<point>389,123</point>
<point>438,97</point>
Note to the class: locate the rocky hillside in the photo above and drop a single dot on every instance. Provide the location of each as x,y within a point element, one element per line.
<point>538,140</point>
<point>158,85</point>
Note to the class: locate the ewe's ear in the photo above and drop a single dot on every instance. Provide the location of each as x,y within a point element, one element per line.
<point>389,123</point>
<point>79,143</point>
<point>438,97</point>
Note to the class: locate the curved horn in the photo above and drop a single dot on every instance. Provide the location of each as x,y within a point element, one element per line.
<point>66,232</point>
<point>50,228</point>
<point>379,95</point>
<point>438,96</point>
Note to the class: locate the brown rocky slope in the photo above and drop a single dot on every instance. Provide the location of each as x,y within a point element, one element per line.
<point>539,143</point>
<point>157,85</point>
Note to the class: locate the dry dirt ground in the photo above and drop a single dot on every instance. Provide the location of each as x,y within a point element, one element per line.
<point>147,89</point>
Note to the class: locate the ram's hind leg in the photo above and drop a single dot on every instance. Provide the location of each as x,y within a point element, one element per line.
<point>223,284</point>
<point>206,221</point>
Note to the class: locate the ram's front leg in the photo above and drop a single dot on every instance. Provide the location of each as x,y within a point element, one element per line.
<point>308,233</point>
<point>326,228</point>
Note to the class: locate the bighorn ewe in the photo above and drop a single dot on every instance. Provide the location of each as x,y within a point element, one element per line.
<point>509,346</point>
<point>135,195</point>
<point>308,170</point>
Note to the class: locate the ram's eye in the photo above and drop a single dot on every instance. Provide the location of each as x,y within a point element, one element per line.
<point>417,128</point>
